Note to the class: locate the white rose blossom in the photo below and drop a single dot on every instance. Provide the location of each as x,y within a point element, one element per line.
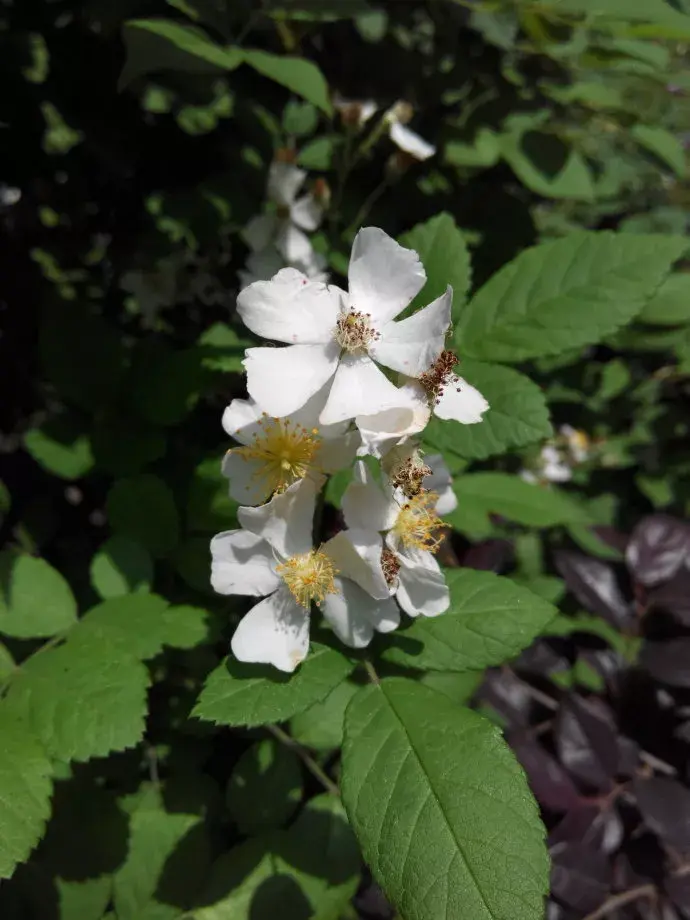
<point>409,532</point>
<point>283,230</point>
<point>277,452</point>
<point>340,337</point>
<point>356,113</point>
<point>273,557</point>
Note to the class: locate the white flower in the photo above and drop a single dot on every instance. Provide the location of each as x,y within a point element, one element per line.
<point>261,265</point>
<point>385,430</point>
<point>577,441</point>
<point>355,112</point>
<point>285,228</point>
<point>551,467</point>
<point>411,527</point>
<point>277,452</point>
<point>9,195</point>
<point>272,556</point>
<point>338,337</point>
<point>405,138</point>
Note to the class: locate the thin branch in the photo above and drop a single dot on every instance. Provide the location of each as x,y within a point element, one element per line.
<point>620,900</point>
<point>305,757</point>
<point>371,671</point>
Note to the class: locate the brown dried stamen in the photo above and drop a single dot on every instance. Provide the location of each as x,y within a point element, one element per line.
<point>439,375</point>
<point>409,476</point>
<point>390,565</point>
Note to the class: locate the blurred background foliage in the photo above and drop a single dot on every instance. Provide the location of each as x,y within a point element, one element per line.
<point>136,138</point>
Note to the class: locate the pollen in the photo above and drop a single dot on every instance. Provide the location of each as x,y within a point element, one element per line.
<point>284,451</point>
<point>406,470</point>
<point>309,576</point>
<point>390,564</point>
<point>417,525</point>
<point>355,333</point>
<point>439,376</point>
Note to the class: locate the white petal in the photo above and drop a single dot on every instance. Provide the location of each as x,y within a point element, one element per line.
<point>384,277</point>
<point>359,388</point>
<point>286,522</point>
<point>247,485</point>
<point>275,631</point>
<point>290,308</point>
<point>440,482</point>
<point>356,554</point>
<point>338,453</point>
<point>260,231</point>
<point>354,615</point>
<point>421,585</point>
<point>529,476</point>
<point>410,142</point>
<point>384,430</point>
<point>240,420</point>
<point>412,345</point>
<point>462,402</point>
<point>242,563</point>
<point>557,472</point>
<point>284,181</point>
<point>306,212</point>
<point>282,380</point>
<point>365,504</point>
<point>294,245</point>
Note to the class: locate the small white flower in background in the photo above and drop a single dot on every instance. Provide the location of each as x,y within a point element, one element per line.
<point>355,113</point>
<point>412,530</point>
<point>404,138</point>
<point>261,266</point>
<point>577,441</point>
<point>156,288</point>
<point>285,228</point>
<point>340,337</point>
<point>9,195</point>
<point>277,452</point>
<point>558,457</point>
<point>273,557</point>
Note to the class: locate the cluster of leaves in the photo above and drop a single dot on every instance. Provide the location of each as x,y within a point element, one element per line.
<point>142,774</point>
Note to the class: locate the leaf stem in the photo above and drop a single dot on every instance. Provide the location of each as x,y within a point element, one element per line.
<point>305,757</point>
<point>371,672</point>
<point>620,900</point>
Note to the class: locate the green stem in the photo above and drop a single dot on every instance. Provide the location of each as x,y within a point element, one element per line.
<point>371,672</point>
<point>305,757</point>
<point>369,203</point>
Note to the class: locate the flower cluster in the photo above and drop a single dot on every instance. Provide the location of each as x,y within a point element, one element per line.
<point>559,456</point>
<point>351,385</point>
<point>279,238</point>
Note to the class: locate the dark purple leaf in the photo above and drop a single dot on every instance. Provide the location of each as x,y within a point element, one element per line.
<point>615,538</point>
<point>665,807</point>
<point>488,556</point>
<point>594,584</point>
<point>674,596</point>
<point>678,889</point>
<point>628,756</point>
<point>508,696</point>
<point>590,825</point>
<point>548,781</point>
<point>658,547</point>
<point>580,876</point>
<point>544,657</point>
<point>668,662</point>
<point>586,739</point>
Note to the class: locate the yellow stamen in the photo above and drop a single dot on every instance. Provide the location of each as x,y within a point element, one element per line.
<point>309,577</point>
<point>286,452</point>
<point>418,526</point>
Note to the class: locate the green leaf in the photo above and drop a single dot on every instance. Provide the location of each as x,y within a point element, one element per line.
<point>265,787</point>
<point>299,118</point>
<point>296,74</point>
<point>248,694</point>
<point>458,686</point>
<point>168,853</point>
<point>35,601</point>
<point>160,44</point>
<point>7,664</point>
<point>209,506</point>
<point>490,620</point>
<point>518,415</point>
<point>517,500</point>
<point>121,566</point>
<point>663,144</point>
<point>25,790</point>
<point>61,447</point>
<point>544,163</point>
<point>123,444</point>
<point>564,294</point>
<point>321,726</point>
<point>318,154</point>
<point>143,509</point>
<point>670,306</point>
<point>441,808</point>
<point>166,384</point>
<point>445,257</point>
<point>83,699</point>
<point>485,150</point>
<point>223,348</point>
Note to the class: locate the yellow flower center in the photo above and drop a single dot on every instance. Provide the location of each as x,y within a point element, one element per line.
<point>354,332</point>
<point>286,452</point>
<point>418,526</point>
<point>309,577</point>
